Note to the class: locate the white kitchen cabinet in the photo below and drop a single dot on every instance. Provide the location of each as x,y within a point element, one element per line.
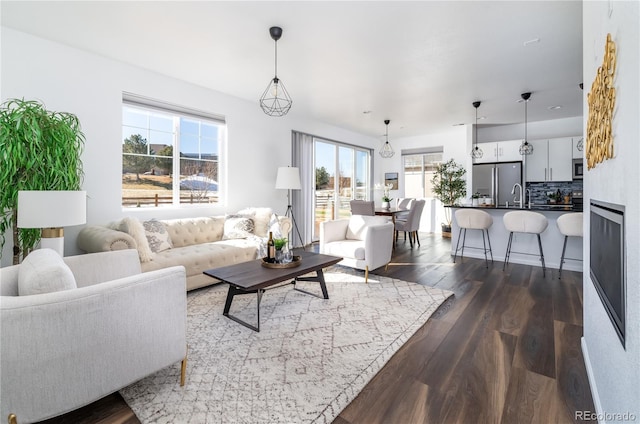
<point>560,159</point>
<point>551,160</point>
<point>509,151</point>
<point>577,154</point>
<point>500,151</point>
<point>537,163</point>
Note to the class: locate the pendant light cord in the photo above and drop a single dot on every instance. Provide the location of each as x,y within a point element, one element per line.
<point>476,128</point>
<point>525,121</point>
<point>276,61</point>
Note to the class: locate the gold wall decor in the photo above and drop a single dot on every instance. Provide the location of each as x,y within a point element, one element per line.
<point>601,101</point>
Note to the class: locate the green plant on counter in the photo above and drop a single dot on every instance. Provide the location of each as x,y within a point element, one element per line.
<point>39,150</point>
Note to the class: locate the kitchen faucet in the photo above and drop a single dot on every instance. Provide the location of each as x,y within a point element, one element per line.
<point>518,201</point>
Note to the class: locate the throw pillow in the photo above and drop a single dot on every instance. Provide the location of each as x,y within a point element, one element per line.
<point>135,229</point>
<point>157,236</point>
<point>261,217</point>
<point>358,225</point>
<point>237,227</point>
<point>274,226</point>
<point>44,271</point>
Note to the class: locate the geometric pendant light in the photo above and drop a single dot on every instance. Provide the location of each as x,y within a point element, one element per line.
<point>476,152</point>
<point>275,101</point>
<point>386,151</point>
<point>525,147</point>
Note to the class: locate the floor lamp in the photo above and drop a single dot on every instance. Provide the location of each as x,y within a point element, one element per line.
<point>51,210</point>
<point>288,178</point>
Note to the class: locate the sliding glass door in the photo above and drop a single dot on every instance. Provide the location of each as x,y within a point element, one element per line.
<point>343,173</point>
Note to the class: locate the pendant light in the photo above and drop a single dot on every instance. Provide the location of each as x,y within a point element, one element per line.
<point>386,151</point>
<point>275,101</point>
<point>525,147</point>
<point>476,152</point>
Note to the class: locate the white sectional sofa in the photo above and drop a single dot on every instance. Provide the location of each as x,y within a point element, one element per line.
<point>197,244</point>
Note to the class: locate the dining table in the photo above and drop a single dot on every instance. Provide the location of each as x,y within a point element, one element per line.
<point>393,213</point>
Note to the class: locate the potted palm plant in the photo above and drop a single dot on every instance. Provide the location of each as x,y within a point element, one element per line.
<point>449,185</point>
<point>40,150</point>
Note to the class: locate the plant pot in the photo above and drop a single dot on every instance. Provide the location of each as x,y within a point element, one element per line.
<point>446,231</point>
<point>475,202</point>
<point>386,205</point>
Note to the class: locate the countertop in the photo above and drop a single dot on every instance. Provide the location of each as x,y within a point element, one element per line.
<point>534,207</point>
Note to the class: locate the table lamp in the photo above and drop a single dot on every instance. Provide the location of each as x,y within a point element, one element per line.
<point>50,211</point>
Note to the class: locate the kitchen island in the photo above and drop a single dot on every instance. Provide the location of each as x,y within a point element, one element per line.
<point>552,239</point>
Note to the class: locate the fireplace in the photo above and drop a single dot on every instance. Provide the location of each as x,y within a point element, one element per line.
<point>607,260</point>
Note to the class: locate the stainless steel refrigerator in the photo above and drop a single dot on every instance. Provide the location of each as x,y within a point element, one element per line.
<point>496,180</point>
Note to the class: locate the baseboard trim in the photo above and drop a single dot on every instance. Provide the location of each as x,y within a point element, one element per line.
<point>516,258</point>
<point>591,378</point>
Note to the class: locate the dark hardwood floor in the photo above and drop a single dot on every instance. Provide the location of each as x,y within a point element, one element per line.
<point>504,349</point>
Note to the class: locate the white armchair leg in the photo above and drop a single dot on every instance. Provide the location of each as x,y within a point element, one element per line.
<point>183,368</point>
<point>366,274</point>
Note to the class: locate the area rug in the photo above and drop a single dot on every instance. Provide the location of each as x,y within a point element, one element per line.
<point>308,362</point>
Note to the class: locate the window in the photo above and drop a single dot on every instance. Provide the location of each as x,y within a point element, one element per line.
<point>343,173</point>
<point>170,155</point>
<point>419,169</point>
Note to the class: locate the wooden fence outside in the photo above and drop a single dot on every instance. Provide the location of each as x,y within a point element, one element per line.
<point>157,200</point>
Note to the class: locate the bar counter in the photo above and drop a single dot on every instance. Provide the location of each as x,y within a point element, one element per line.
<point>524,249</point>
<point>570,207</point>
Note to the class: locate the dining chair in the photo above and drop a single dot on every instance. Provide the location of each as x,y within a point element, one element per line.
<point>362,207</point>
<point>404,203</point>
<point>412,223</point>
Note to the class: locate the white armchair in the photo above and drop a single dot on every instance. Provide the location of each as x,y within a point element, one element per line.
<point>65,349</point>
<point>365,242</point>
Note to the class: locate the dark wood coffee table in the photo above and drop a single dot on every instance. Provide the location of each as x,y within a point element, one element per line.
<point>251,277</point>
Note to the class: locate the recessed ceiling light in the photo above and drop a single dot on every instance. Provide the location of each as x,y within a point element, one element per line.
<point>556,107</point>
<point>481,118</point>
<point>532,41</point>
<point>459,125</point>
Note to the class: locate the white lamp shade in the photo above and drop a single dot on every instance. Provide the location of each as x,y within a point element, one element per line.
<point>51,209</point>
<point>288,178</point>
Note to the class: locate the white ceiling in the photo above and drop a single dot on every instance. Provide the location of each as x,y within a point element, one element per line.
<point>420,63</point>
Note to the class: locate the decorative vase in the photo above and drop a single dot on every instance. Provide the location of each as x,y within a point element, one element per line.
<point>476,201</point>
<point>386,205</point>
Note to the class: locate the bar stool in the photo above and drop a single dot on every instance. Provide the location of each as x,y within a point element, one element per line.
<point>570,225</point>
<point>525,222</point>
<point>473,219</point>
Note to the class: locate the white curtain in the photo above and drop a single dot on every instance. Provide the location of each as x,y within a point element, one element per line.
<point>303,200</point>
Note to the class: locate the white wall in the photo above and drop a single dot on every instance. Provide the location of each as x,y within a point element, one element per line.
<point>567,127</point>
<point>456,145</point>
<point>613,371</point>
<point>90,86</point>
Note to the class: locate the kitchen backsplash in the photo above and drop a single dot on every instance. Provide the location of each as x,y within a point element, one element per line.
<point>539,190</point>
